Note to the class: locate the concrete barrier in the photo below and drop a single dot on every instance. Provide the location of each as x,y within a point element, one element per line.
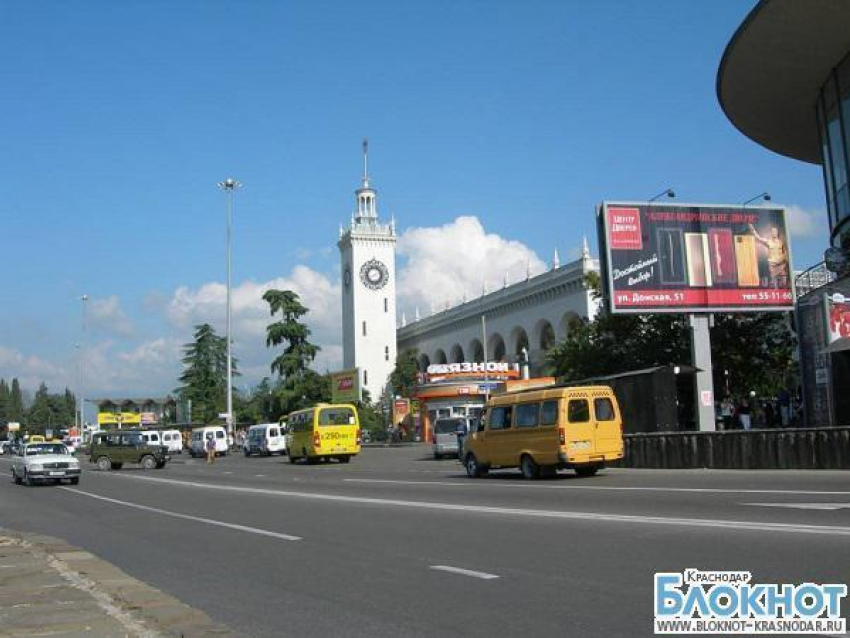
<point>786,449</point>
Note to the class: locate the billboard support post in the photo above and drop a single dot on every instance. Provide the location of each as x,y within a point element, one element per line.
<point>701,356</point>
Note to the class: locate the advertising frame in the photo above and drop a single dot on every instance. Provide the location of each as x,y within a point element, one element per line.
<point>354,394</point>
<point>785,297</point>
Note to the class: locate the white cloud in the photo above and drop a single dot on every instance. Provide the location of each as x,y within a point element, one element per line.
<point>107,315</point>
<point>804,223</point>
<point>447,261</point>
<point>31,370</point>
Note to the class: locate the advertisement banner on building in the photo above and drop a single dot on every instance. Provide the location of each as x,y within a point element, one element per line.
<point>401,408</point>
<point>660,257</point>
<point>345,386</point>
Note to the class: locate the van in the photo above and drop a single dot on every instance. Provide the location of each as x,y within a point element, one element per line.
<point>151,437</point>
<point>324,432</point>
<point>198,440</point>
<point>445,437</point>
<point>173,440</point>
<point>542,431</point>
<point>265,438</point>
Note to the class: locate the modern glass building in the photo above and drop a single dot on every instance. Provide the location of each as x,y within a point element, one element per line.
<point>784,82</point>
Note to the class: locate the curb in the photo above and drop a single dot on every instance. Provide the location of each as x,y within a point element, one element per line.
<point>138,608</point>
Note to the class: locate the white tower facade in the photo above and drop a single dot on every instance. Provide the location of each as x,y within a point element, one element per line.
<point>367,261</point>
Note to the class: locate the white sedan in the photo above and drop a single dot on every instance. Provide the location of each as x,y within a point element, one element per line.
<point>48,462</point>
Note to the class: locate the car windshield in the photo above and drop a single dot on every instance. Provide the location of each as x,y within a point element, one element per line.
<point>336,416</point>
<point>46,448</point>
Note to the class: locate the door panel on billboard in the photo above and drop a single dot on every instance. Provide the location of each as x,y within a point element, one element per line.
<point>722,251</point>
<point>696,250</point>
<point>672,254</point>
<point>746,259</point>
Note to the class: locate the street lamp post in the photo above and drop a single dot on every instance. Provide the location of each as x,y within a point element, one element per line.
<point>84,299</point>
<point>228,186</point>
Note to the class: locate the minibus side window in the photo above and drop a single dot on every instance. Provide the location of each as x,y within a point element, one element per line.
<point>500,418</point>
<point>604,409</point>
<point>526,415</point>
<point>578,411</point>
<point>549,413</point>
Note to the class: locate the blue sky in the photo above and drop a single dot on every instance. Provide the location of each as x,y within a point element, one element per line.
<point>121,117</point>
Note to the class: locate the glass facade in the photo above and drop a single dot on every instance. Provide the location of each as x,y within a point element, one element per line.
<point>833,116</point>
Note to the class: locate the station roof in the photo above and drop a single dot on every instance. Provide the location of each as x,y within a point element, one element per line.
<point>774,67</point>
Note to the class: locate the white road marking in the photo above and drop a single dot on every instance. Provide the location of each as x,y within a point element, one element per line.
<point>545,486</point>
<point>259,475</point>
<point>197,519</point>
<point>464,572</point>
<point>731,525</point>
<point>804,506</point>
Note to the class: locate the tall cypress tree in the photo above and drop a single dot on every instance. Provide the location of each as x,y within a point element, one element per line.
<point>16,402</point>
<point>4,400</point>
<point>204,375</point>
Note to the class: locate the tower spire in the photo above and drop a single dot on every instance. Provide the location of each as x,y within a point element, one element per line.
<point>365,162</point>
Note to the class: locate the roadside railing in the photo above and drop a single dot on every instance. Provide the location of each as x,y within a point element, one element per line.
<point>781,449</point>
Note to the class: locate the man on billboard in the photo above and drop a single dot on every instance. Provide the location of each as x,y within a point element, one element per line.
<point>777,256</point>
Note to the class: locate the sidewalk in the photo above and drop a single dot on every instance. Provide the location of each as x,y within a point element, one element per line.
<point>49,588</point>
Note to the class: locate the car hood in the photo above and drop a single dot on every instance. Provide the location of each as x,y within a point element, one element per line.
<point>49,458</point>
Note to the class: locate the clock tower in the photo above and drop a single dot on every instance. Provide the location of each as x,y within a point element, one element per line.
<point>367,260</point>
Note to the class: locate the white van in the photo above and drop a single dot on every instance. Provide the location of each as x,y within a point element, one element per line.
<point>173,440</point>
<point>199,438</point>
<point>265,438</point>
<point>151,437</point>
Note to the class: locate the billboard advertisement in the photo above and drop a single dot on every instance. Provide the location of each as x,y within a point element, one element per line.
<point>345,386</point>
<point>695,258</point>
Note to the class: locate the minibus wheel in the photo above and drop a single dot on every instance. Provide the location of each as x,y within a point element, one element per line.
<point>473,470</point>
<point>530,470</point>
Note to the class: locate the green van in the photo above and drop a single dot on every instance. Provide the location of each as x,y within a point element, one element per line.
<point>110,450</point>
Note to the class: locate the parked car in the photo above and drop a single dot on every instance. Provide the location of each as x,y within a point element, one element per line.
<point>199,438</point>
<point>44,462</point>
<point>265,438</point>
<point>173,440</point>
<point>152,437</point>
<point>5,446</point>
<point>111,450</point>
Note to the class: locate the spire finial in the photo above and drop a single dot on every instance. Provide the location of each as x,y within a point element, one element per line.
<point>506,283</point>
<point>528,269</point>
<point>556,260</point>
<point>403,319</point>
<point>417,315</point>
<point>365,162</point>
<point>585,249</point>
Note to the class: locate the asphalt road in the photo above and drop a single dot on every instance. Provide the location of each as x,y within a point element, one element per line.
<point>398,544</point>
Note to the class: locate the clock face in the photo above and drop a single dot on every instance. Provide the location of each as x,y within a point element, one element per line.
<point>374,274</point>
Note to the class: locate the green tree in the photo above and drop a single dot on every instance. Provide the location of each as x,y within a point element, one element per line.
<point>404,377</point>
<point>16,402</point>
<point>298,386</point>
<point>4,401</point>
<point>299,353</point>
<point>755,348</point>
<point>204,376</point>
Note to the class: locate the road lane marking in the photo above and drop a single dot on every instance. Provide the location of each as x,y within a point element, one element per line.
<point>259,476</point>
<point>732,525</point>
<point>804,506</point>
<point>197,519</point>
<point>544,486</point>
<point>464,572</point>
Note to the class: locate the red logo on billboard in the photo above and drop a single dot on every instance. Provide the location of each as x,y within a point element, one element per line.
<point>346,383</point>
<point>624,229</point>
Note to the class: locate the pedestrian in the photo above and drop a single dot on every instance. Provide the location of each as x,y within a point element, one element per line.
<point>461,430</point>
<point>727,409</point>
<point>744,414</point>
<point>210,448</point>
<point>784,400</point>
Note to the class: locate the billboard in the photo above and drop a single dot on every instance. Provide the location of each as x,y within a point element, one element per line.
<point>695,258</point>
<point>345,386</point>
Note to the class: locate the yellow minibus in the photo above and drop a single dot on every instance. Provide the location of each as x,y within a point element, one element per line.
<point>325,431</point>
<point>541,431</point>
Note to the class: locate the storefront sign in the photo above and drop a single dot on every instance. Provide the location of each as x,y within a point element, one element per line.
<point>471,368</point>
<point>663,257</point>
<point>401,408</point>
